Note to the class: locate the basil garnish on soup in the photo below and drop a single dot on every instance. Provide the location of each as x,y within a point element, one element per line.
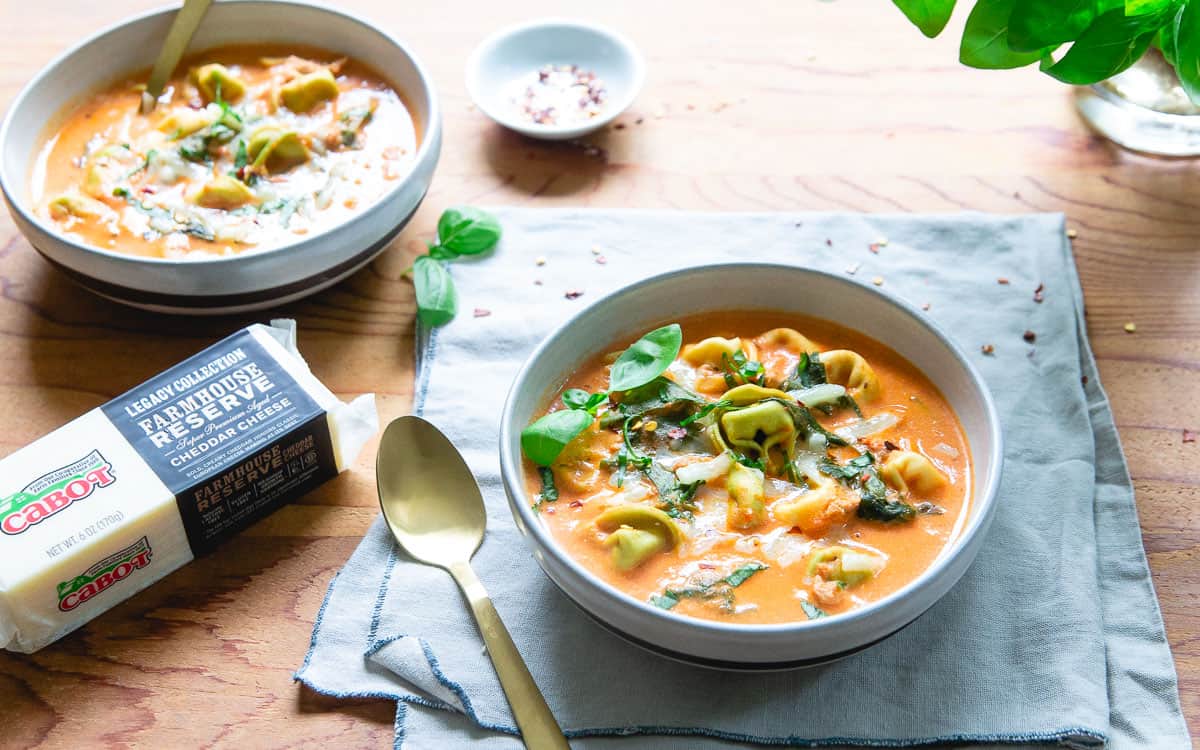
<point>750,467</point>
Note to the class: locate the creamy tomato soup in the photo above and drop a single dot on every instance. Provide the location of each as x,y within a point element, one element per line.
<point>248,148</point>
<point>779,468</point>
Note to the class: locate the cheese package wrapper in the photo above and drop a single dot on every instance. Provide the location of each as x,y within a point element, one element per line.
<point>108,504</point>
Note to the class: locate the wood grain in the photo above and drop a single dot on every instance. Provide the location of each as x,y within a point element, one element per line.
<point>758,106</point>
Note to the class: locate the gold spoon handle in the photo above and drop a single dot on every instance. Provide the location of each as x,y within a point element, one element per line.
<point>178,37</point>
<point>539,730</point>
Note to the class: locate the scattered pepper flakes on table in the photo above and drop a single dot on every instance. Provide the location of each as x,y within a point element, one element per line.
<point>639,121</point>
<point>1131,327</point>
<point>1003,281</point>
<point>874,247</point>
<point>829,242</point>
<point>1071,233</point>
<point>573,293</point>
<point>1030,336</point>
<point>601,260</point>
<point>537,282</point>
<point>1039,294</point>
<point>877,281</point>
<point>853,269</point>
<point>482,313</point>
<point>595,249</point>
<point>925,306</point>
<point>988,349</point>
<point>1189,436</point>
<point>540,260</point>
<point>619,126</point>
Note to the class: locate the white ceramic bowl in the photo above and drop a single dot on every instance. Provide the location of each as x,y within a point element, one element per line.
<point>753,286</point>
<point>250,280</point>
<point>516,51</point>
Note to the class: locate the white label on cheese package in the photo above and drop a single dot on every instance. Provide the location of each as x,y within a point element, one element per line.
<point>108,504</point>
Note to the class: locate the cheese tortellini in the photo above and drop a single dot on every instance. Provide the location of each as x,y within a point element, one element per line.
<point>636,533</point>
<point>909,472</point>
<point>851,370</point>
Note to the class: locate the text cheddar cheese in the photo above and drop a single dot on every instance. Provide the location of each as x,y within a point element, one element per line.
<point>110,503</point>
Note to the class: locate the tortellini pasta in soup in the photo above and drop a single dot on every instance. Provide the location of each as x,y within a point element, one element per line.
<point>249,148</point>
<point>772,468</point>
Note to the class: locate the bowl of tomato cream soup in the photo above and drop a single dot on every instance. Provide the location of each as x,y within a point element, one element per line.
<point>288,148</point>
<point>757,467</point>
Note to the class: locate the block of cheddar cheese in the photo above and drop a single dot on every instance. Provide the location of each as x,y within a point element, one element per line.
<point>110,503</point>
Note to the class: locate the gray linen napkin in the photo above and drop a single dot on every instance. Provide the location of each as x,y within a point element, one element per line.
<point>1053,635</point>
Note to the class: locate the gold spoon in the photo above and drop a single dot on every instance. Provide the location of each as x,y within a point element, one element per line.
<point>178,37</point>
<point>435,511</point>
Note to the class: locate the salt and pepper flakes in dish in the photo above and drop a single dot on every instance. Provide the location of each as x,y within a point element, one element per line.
<point>558,95</point>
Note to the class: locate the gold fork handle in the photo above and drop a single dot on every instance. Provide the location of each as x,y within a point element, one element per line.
<point>539,730</point>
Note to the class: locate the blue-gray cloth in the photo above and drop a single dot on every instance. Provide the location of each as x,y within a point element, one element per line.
<point>1052,636</point>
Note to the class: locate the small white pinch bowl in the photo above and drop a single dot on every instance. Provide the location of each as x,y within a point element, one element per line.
<point>514,52</point>
<point>777,288</point>
<point>249,280</point>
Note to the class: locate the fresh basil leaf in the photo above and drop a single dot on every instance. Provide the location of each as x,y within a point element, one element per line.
<point>436,299</point>
<point>575,398</point>
<point>442,253</point>
<point>659,395</point>
<point>930,16</point>
<point>664,601</point>
<point>1186,48</point>
<point>1109,45</point>
<point>594,401</point>
<point>467,231</point>
<point>1034,25</point>
<point>813,611</point>
<point>545,439</point>
<point>1165,41</point>
<point>742,574</point>
<point>985,39</point>
<point>646,358</point>
<point>549,493</point>
<point>809,372</point>
<point>1143,7</point>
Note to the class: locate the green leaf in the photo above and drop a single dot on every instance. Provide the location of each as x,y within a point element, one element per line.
<point>1034,25</point>
<point>985,38</point>
<point>813,611</point>
<point>930,16</point>
<point>646,358</point>
<point>575,398</point>
<point>436,299</point>
<point>1108,46</point>
<point>549,493</point>
<point>809,372</point>
<point>467,231</point>
<point>544,440</point>
<point>240,158</point>
<point>739,576</point>
<point>1142,7</point>
<point>1186,48</point>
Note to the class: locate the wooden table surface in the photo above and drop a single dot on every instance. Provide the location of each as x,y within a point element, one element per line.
<point>759,106</point>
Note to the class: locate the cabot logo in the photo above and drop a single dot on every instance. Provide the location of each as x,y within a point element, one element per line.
<point>53,492</point>
<point>112,569</point>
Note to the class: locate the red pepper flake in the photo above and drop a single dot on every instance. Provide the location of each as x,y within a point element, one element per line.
<point>677,433</point>
<point>573,293</point>
<point>576,504</point>
<point>601,260</point>
<point>890,445</point>
<point>874,247</point>
<point>1189,436</point>
<point>1029,336</point>
<point>829,242</point>
<point>925,306</point>
<point>1002,280</point>
<point>707,566</point>
<point>1084,379</point>
<point>537,282</point>
<point>988,349</point>
<point>619,126</point>
<point>639,121</point>
<point>1039,293</point>
<point>482,313</point>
